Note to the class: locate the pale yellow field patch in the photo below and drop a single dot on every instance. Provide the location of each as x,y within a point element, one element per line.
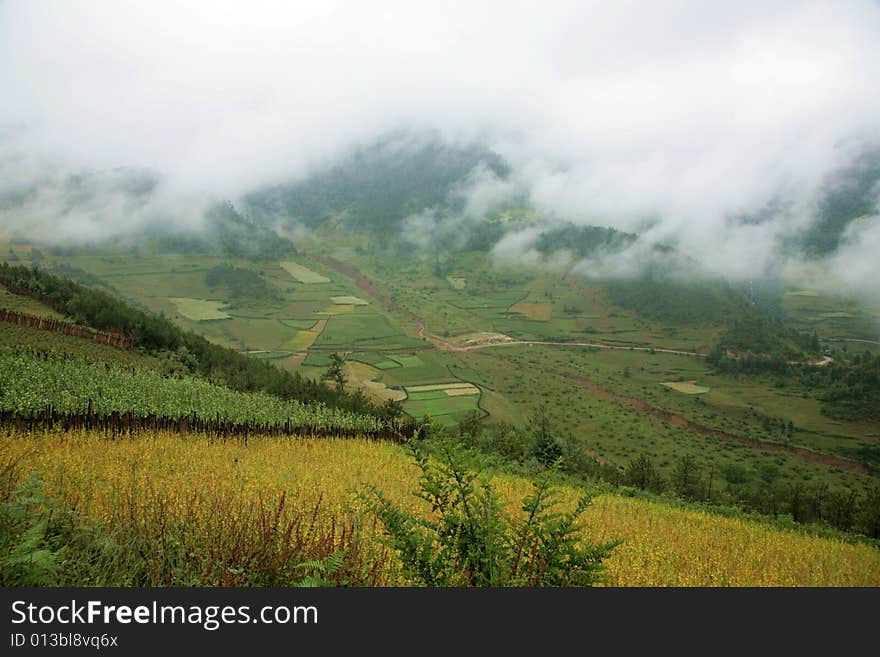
<point>541,312</point>
<point>291,363</point>
<point>361,375</point>
<point>687,387</point>
<point>482,337</point>
<point>457,282</point>
<point>834,314</point>
<point>303,274</point>
<point>305,339</point>
<point>439,386</point>
<point>803,293</point>
<point>460,392</point>
<point>349,301</point>
<point>663,545</point>
<point>199,309</point>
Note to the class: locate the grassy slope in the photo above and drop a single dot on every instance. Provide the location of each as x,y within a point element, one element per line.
<point>25,305</point>
<point>25,338</point>
<point>662,545</point>
<point>620,433</point>
<point>514,379</point>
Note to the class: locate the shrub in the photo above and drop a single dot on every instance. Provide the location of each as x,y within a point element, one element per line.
<point>469,540</point>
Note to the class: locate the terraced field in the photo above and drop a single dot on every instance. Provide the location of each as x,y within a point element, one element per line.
<point>26,305</point>
<point>200,310</point>
<point>303,274</point>
<point>376,317</point>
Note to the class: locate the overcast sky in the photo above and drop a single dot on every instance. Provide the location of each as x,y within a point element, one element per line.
<point>609,111</point>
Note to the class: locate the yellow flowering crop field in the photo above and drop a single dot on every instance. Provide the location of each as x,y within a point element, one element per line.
<point>176,476</point>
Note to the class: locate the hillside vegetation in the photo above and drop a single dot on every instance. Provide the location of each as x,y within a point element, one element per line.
<point>155,335</point>
<point>180,510</point>
<point>30,383</point>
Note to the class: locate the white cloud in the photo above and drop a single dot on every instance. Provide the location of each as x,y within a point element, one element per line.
<point>612,113</point>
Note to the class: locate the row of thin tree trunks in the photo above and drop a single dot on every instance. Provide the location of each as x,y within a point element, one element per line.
<point>46,324</point>
<point>118,424</point>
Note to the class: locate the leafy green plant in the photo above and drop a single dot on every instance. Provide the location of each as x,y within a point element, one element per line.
<point>28,558</point>
<point>320,572</point>
<point>468,539</point>
<point>31,382</point>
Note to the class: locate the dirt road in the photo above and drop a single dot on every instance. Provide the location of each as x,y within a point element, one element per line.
<point>682,422</point>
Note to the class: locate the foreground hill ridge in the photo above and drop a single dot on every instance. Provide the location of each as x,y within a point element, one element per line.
<point>218,486</point>
<point>498,355</point>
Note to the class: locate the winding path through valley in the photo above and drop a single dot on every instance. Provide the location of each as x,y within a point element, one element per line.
<point>682,422</point>
<point>500,340</point>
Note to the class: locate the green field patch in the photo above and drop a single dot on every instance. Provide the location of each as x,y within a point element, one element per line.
<point>367,379</point>
<point>26,305</point>
<point>539,312</point>
<point>467,374</point>
<point>441,406</point>
<point>499,300</point>
<point>299,324</point>
<point>408,361</point>
<point>428,394</point>
<point>349,301</point>
<point>314,359</point>
<point>430,369</point>
<point>200,310</point>
<point>260,334</point>
<point>456,282</point>
<point>29,339</point>
<point>290,363</point>
<point>436,395</point>
<point>303,274</point>
<point>336,310</point>
<point>265,354</point>
<point>687,387</point>
<point>182,284</point>
<point>374,358</point>
<point>302,309</point>
<point>362,331</point>
<point>31,382</point>
<point>833,315</point>
<point>305,339</point>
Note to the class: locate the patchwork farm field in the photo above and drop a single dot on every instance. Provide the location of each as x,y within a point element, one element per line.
<point>520,303</point>
<point>687,387</point>
<point>448,403</point>
<point>199,309</point>
<point>303,274</point>
<point>368,379</point>
<point>364,331</point>
<point>616,404</point>
<point>212,487</point>
<point>831,316</point>
<point>310,311</point>
<point>611,403</point>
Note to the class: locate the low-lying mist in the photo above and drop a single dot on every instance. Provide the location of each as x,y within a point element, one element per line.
<point>715,135</point>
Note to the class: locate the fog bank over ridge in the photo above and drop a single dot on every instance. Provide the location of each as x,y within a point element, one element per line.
<point>713,129</point>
